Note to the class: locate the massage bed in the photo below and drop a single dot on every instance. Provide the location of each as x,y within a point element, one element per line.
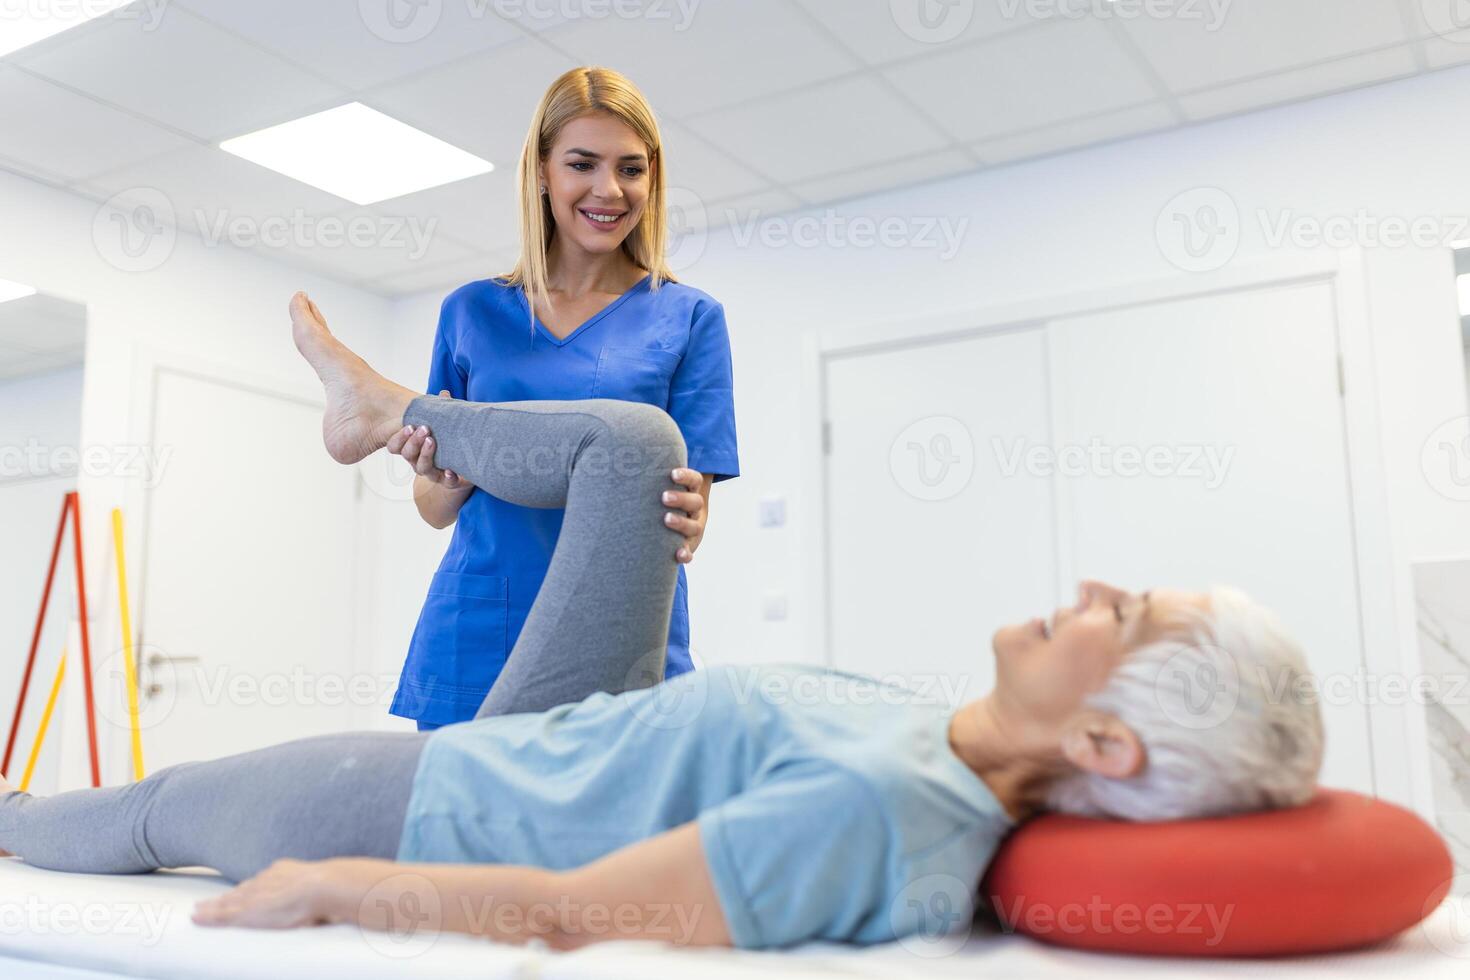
<point>60,926</point>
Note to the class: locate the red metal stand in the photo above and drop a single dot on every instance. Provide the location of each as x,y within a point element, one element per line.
<point>72,506</point>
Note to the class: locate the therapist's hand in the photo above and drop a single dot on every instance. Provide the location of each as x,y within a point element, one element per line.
<point>690,511</point>
<point>417,447</point>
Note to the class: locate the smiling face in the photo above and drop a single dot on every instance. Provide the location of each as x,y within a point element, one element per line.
<point>1045,668</point>
<point>597,177</point>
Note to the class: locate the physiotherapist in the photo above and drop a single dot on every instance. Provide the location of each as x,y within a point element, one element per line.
<point>590,310</point>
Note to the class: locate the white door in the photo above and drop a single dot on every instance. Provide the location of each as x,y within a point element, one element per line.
<point>245,605</point>
<point>931,544</point>
<point>1236,396</point>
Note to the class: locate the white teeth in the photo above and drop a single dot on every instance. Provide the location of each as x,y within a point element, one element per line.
<point>605,219</point>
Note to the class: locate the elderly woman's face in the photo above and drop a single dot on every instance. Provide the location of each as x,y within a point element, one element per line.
<point>1047,667</point>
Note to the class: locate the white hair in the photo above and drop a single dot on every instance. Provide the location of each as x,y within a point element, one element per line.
<point>1227,716</point>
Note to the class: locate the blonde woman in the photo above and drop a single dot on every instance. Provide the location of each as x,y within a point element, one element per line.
<point>589,311</point>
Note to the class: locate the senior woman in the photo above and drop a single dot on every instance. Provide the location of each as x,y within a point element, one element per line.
<point>753,807</point>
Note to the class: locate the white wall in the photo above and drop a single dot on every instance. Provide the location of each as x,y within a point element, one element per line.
<point>1078,221</point>
<point>42,411</point>
<point>217,307</point>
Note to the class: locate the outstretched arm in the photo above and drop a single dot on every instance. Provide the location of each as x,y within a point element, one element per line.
<point>659,888</point>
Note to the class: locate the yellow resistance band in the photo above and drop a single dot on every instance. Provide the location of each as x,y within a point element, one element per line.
<point>25,780</point>
<point>127,638</point>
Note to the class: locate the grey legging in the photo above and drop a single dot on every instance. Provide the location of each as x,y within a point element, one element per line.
<point>599,623</point>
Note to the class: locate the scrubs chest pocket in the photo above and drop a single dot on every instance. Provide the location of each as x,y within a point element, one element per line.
<point>635,374</point>
<point>465,619</point>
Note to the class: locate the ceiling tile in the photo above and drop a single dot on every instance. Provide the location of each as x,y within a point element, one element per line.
<point>447,277</point>
<point>869,180</point>
<point>479,211</point>
<point>1018,81</point>
<point>1301,83</point>
<point>394,253</point>
<point>356,44</point>
<point>724,53</point>
<point>70,135</point>
<point>199,79</point>
<point>206,187</point>
<point>853,122</point>
<point>482,104</point>
<point>1255,37</point>
<point>707,170</point>
<point>881,31</point>
<point>1076,133</point>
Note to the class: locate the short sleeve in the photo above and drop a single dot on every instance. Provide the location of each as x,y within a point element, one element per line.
<point>804,856</point>
<point>444,373</point>
<point>702,397</point>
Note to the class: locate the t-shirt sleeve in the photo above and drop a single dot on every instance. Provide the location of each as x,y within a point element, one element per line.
<point>444,373</point>
<point>803,856</point>
<point>702,397</point>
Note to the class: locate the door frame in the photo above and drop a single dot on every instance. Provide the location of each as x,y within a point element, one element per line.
<point>1376,575</point>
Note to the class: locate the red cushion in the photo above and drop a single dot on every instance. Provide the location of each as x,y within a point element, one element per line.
<point>1340,871</point>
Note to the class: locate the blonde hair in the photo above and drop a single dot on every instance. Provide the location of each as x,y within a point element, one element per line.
<point>581,92</point>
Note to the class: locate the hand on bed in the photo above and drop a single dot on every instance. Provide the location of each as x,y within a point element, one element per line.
<point>283,896</point>
<point>689,514</point>
<point>417,447</point>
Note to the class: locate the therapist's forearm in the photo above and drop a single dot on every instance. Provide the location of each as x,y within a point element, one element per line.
<point>437,504</point>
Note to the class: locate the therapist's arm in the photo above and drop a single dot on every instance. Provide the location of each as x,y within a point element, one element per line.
<point>657,889</point>
<point>437,494</point>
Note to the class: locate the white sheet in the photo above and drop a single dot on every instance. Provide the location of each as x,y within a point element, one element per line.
<point>71,927</point>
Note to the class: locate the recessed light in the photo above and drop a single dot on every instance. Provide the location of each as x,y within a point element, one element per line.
<point>14,290</point>
<point>47,19</point>
<point>357,153</point>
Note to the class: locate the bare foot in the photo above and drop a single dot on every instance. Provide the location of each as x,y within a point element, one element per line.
<point>363,407</point>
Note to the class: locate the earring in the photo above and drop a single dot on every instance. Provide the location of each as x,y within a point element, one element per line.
<point>543,188</point>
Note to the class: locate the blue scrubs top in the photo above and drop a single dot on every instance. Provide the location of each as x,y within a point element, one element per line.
<point>667,347</point>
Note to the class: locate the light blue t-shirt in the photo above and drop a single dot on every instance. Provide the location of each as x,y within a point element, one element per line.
<point>830,805</point>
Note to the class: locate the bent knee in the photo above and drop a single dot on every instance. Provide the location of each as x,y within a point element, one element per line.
<point>644,434</point>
